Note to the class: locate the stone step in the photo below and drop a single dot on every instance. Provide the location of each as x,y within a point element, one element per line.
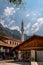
<point>34,63</point>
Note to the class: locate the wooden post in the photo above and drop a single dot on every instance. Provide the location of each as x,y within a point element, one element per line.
<point>19,55</point>
<point>32,55</point>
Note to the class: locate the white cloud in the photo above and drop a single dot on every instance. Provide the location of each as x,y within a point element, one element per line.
<point>27,28</point>
<point>11,22</point>
<point>36,26</point>
<point>6,26</point>
<point>34,14</point>
<point>15,28</point>
<point>40,21</point>
<point>2,22</point>
<point>27,15</point>
<point>9,11</point>
<point>17,9</point>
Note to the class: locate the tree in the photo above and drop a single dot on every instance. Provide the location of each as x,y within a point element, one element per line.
<point>17,2</point>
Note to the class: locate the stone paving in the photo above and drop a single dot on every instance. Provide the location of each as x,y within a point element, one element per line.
<point>40,63</point>
<point>11,62</point>
<point>18,63</point>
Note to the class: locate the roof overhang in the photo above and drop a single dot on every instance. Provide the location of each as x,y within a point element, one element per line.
<point>33,43</point>
<point>31,48</point>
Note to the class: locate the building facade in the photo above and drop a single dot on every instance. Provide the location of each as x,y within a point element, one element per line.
<point>32,49</point>
<point>6,46</point>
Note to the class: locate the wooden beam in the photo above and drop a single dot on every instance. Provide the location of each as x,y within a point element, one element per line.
<point>31,48</point>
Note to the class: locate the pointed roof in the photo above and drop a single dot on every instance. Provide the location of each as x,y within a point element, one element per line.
<point>22,26</point>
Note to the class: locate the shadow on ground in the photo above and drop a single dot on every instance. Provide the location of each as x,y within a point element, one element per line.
<point>19,63</point>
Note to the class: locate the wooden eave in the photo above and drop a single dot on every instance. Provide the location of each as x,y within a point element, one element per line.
<point>33,43</point>
<point>6,45</point>
<point>8,38</point>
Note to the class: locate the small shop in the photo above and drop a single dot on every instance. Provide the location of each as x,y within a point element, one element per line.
<point>31,49</point>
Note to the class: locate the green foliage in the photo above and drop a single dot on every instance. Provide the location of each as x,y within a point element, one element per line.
<point>17,2</point>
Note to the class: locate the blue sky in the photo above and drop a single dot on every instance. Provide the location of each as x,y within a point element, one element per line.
<point>31,12</point>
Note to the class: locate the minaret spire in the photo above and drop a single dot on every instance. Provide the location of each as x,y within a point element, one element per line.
<point>22,31</point>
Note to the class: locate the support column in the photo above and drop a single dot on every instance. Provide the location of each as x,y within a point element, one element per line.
<point>32,55</point>
<point>19,55</point>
